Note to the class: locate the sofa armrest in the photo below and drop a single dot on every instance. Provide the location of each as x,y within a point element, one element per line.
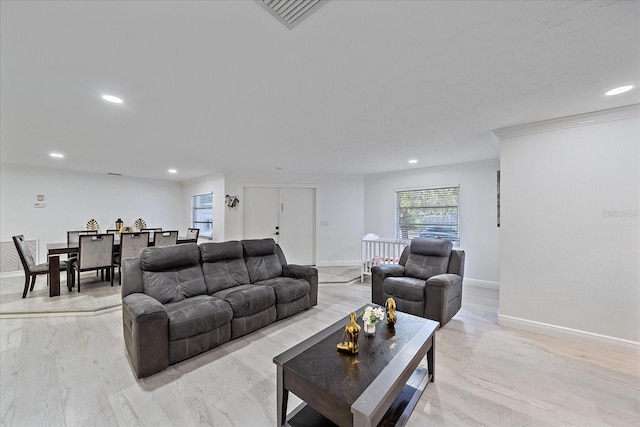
<point>146,333</point>
<point>443,297</point>
<point>310,274</point>
<point>378,274</point>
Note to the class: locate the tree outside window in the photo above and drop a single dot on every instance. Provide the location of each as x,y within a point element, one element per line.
<point>430,212</point>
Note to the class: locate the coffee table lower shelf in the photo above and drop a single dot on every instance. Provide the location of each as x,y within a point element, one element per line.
<point>397,415</point>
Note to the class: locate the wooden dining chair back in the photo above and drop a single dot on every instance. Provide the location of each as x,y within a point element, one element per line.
<point>132,243</point>
<point>130,246</point>
<point>73,239</point>
<point>31,269</point>
<point>95,252</point>
<point>193,233</point>
<point>165,238</point>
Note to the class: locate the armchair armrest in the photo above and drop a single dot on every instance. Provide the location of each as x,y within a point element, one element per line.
<point>443,297</point>
<point>378,274</point>
<point>444,280</point>
<point>131,276</point>
<point>146,333</point>
<point>310,274</point>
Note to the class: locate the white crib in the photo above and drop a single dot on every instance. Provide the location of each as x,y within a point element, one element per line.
<point>379,250</point>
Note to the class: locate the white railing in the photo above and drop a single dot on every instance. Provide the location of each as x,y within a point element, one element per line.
<point>376,251</point>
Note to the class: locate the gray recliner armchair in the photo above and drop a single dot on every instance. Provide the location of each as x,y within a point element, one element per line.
<point>427,282</point>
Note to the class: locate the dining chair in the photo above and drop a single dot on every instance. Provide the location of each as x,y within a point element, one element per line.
<point>152,232</point>
<point>116,250</point>
<point>192,233</point>
<point>95,252</point>
<point>73,239</point>
<point>31,269</point>
<point>130,246</point>
<point>165,238</point>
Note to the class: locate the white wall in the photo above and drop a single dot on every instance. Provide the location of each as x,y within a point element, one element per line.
<point>339,205</point>
<point>570,227</point>
<point>210,184</point>
<point>73,198</point>
<point>479,234</point>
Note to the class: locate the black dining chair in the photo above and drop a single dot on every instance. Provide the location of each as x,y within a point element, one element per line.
<point>31,269</point>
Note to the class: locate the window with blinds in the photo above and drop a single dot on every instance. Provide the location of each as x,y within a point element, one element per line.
<point>202,214</point>
<point>430,212</point>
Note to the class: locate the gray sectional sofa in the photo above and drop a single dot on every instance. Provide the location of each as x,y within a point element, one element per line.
<point>179,301</point>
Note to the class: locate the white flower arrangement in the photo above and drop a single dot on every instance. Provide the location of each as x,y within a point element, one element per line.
<point>372,315</point>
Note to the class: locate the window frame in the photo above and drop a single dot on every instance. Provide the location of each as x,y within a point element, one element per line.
<point>195,207</point>
<point>442,226</point>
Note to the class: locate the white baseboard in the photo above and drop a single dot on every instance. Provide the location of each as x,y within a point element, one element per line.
<point>339,263</point>
<point>481,284</point>
<point>597,340</point>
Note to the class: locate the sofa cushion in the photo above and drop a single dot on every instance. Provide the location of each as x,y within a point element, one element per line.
<point>427,258</point>
<point>261,259</point>
<point>175,284</point>
<point>286,288</point>
<point>167,257</point>
<point>246,300</point>
<point>172,273</point>
<point>406,288</point>
<point>196,315</point>
<point>220,251</point>
<point>223,265</point>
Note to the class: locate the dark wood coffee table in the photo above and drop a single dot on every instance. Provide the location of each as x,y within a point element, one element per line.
<point>378,386</point>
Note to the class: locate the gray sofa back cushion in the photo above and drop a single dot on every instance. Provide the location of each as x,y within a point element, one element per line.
<point>172,273</point>
<point>223,265</point>
<point>166,257</point>
<point>261,259</point>
<point>427,258</point>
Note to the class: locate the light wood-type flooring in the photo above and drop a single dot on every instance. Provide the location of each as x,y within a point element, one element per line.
<point>70,368</point>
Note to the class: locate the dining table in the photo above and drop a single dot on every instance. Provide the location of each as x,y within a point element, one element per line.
<point>54,250</point>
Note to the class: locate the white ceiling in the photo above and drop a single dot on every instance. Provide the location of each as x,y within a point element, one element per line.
<point>359,87</point>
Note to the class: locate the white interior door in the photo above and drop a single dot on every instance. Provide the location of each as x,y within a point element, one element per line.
<point>261,217</point>
<point>297,224</point>
<point>285,214</point>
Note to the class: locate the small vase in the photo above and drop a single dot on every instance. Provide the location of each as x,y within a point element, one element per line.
<point>369,328</point>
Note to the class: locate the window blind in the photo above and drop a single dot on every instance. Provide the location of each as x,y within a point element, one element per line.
<point>429,212</point>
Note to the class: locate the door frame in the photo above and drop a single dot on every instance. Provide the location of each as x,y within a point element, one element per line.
<point>315,187</point>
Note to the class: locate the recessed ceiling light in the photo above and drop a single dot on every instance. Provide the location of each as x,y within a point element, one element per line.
<point>619,90</point>
<point>111,98</point>
<point>57,155</point>
<point>173,171</point>
<point>412,161</point>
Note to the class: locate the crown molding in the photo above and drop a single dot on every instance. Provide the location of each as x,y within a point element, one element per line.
<point>430,169</point>
<point>579,120</point>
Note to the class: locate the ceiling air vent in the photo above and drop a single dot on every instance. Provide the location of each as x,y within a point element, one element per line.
<point>291,12</point>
